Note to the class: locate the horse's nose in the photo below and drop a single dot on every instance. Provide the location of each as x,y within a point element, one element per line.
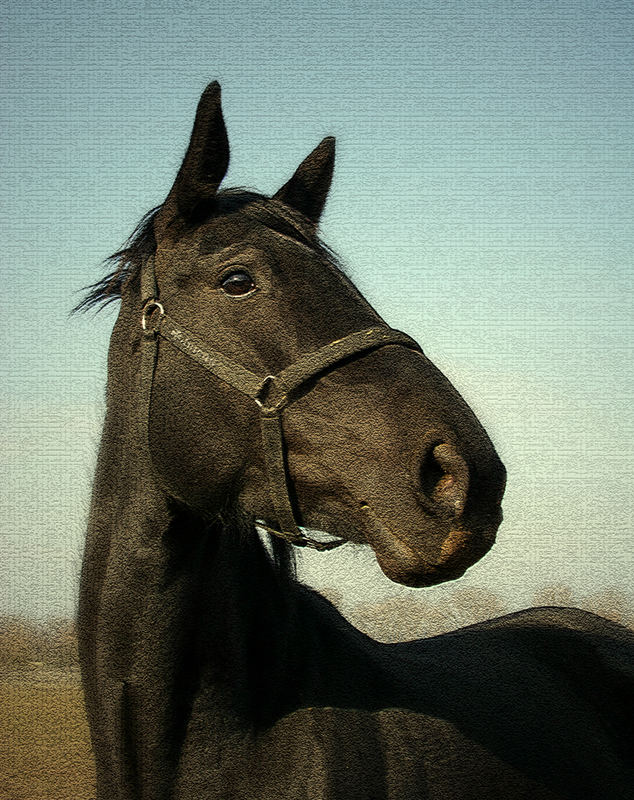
<point>444,478</point>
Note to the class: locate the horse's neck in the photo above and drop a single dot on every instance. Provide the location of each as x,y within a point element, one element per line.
<point>245,628</point>
<point>184,623</point>
<point>168,606</point>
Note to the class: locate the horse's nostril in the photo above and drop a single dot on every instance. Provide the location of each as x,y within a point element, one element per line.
<point>430,473</point>
<point>444,478</point>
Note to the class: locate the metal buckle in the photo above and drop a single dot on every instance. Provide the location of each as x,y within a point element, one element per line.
<point>148,310</point>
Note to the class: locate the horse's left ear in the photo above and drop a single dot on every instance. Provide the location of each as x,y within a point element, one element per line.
<point>308,188</point>
<point>204,165</point>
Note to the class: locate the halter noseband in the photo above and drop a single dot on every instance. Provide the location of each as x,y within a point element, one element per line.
<point>272,394</point>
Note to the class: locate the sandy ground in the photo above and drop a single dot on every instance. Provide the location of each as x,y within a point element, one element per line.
<point>44,743</point>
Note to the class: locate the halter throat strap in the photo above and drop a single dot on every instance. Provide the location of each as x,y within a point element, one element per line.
<point>272,393</point>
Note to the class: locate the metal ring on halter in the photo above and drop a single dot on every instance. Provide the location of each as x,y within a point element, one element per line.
<point>264,407</point>
<point>148,310</point>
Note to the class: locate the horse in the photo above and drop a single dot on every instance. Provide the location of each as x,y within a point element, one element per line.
<point>257,403</point>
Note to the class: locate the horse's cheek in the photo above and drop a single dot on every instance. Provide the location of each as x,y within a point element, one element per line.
<point>191,428</point>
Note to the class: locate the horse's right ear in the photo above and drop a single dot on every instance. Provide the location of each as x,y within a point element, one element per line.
<point>204,165</point>
<point>308,188</point>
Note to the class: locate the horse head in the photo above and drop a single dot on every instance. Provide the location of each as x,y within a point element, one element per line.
<point>372,446</point>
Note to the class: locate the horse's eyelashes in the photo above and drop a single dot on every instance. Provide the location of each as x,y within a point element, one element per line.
<point>237,283</point>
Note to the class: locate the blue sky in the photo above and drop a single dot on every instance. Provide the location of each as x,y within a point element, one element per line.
<point>482,201</point>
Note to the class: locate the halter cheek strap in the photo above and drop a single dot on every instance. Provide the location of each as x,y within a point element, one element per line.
<point>272,394</point>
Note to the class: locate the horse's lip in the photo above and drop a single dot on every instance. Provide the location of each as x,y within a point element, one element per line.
<point>409,559</point>
<point>407,566</point>
<point>422,577</point>
<point>417,570</point>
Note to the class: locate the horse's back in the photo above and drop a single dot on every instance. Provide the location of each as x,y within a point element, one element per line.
<point>547,690</point>
<point>536,704</point>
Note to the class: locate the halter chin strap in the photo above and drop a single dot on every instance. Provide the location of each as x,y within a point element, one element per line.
<point>272,394</point>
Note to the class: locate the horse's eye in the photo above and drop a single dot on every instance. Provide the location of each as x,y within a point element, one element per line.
<point>237,283</point>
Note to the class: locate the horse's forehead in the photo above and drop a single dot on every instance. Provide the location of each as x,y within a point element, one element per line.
<point>232,229</point>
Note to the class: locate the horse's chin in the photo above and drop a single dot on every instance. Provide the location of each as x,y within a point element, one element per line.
<point>415,570</point>
<point>410,561</point>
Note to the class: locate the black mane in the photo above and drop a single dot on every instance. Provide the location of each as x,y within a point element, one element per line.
<point>125,265</point>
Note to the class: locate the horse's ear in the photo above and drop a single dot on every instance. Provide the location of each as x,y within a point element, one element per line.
<point>308,188</point>
<point>205,162</point>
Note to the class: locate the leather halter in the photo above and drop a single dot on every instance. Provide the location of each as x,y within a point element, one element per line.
<point>272,393</point>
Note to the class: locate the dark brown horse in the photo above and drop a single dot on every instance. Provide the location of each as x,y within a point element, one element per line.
<point>250,381</point>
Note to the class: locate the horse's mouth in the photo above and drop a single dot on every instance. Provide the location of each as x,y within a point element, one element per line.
<point>415,571</point>
<point>414,543</point>
<point>441,553</point>
<point>424,554</point>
